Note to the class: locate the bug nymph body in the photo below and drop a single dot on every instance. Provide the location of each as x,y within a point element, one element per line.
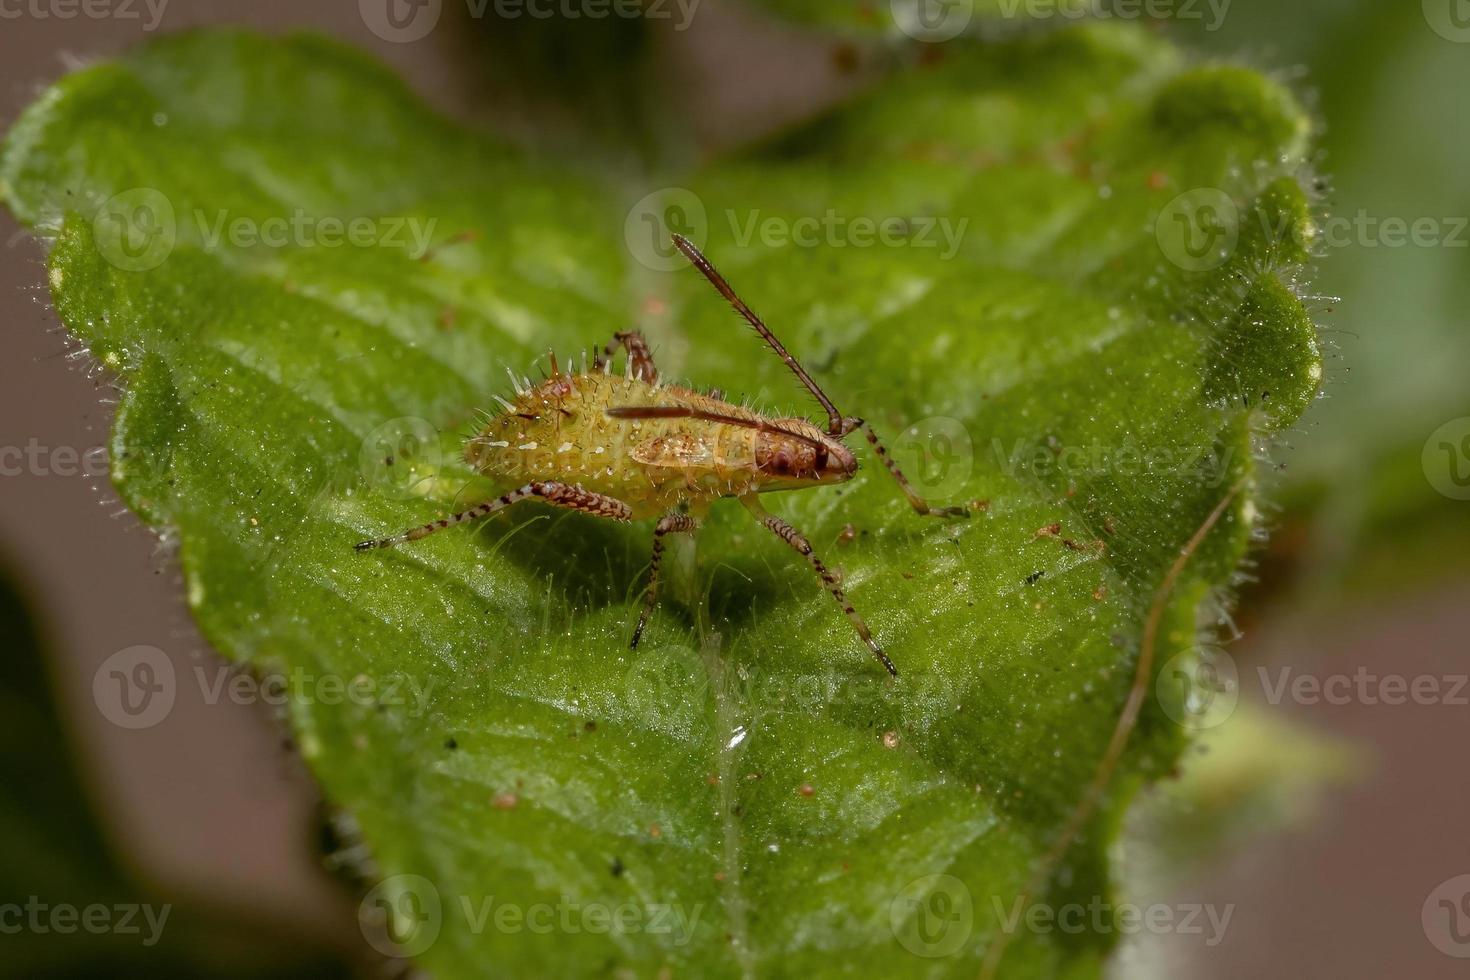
<point>573,428</point>
<point>626,447</point>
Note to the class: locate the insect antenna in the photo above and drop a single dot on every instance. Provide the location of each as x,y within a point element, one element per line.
<point>834,417</point>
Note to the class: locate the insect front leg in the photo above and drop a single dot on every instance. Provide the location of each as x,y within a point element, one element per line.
<point>919,504</point>
<point>640,358</point>
<point>560,494</point>
<point>803,547</point>
<point>670,524</point>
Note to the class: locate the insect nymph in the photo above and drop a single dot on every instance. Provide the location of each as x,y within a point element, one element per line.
<point>629,447</point>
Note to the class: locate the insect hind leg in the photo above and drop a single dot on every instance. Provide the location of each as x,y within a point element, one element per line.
<point>640,358</point>
<point>670,524</point>
<point>559,494</point>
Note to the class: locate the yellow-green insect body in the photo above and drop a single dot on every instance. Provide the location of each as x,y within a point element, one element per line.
<point>624,446</point>
<point>569,429</point>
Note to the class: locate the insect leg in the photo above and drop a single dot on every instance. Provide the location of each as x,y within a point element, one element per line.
<point>670,524</point>
<point>919,504</point>
<point>640,357</point>
<point>803,547</point>
<point>560,494</point>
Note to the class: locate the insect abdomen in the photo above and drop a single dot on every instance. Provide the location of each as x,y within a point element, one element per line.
<point>560,430</point>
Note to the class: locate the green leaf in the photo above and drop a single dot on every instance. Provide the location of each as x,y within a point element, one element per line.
<point>1372,507</point>
<point>1095,357</point>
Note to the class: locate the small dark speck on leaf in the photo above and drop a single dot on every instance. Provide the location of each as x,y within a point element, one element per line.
<point>1034,577</point>
<point>451,743</point>
<point>617,867</point>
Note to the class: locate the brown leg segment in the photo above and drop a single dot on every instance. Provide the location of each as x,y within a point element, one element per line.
<point>560,494</point>
<point>917,502</point>
<point>640,358</point>
<point>670,524</point>
<point>803,547</point>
